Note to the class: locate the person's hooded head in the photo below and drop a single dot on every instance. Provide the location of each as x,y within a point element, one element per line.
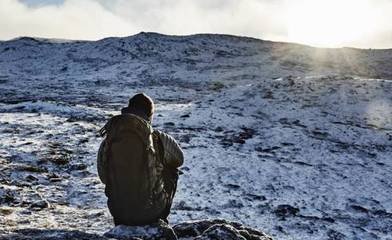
<point>140,105</point>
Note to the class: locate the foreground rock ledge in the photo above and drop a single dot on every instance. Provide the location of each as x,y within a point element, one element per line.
<point>198,230</point>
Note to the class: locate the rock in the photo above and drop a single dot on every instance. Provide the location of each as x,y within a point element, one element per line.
<point>286,210</point>
<point>59,160</point>
<point>53,177</point>
<point>31,168</point>
<point>240,138</point>
<point>7,196</point>
<point>233,186</point>
<point>221,231</point>
<point>31,178</point>
<point>182,205</point>
<point>6,211</point>
<point>37,202</point>
<point>160,230</point>
<point>78,167</point>
<point>218,129</point>
<point>194,230</point>
<point>55,234</point>
<point>169,124</point>
<point>359,208</point>
<point>335,235</point>
<point>186,138</point>
<point>185,115</point>
<point>255,197</point>
<point>268,94</point>
<point>40,204</point>
<point>217,229</point>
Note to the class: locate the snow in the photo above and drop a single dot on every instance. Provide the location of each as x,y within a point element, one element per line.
<point>282,128</point>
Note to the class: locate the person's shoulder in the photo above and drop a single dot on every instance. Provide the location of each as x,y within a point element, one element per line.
<point>164,137</point>
<point>173,154</point>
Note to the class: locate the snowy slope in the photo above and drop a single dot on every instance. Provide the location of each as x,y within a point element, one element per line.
<point>290,139</point>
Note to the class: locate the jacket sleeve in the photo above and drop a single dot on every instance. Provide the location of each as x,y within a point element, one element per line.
<point>101,162</point>
<point>172,153</point>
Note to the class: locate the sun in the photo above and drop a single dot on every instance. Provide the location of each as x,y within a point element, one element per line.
<point>328,23</point>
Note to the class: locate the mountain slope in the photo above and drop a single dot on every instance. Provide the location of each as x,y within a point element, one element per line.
<point>153,58</point>
<point>286,138</point>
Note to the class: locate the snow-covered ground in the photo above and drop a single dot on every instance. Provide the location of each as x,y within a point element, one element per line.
<point>293,140</point>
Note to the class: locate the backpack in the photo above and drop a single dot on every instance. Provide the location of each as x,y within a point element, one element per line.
<point>132,171</point>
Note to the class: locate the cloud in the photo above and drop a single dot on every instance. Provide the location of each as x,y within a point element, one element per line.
<point>37,3</point>
<point>74,19</point>
<point>96,19</point>
<point>381,26</point>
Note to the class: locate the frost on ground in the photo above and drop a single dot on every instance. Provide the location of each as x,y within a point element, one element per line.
<point>288,139</point>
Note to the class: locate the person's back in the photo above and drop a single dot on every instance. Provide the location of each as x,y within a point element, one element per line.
<point>138,165</point>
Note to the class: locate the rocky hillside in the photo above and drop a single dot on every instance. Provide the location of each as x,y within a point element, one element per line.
<point>153,59</point>
<point>292,140</point>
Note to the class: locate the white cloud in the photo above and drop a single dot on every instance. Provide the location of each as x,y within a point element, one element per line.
<point>95,19</point>
<point>241,17</point>
<point>83,19</point>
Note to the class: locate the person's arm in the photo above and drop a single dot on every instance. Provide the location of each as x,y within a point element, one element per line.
<point>172,153</point>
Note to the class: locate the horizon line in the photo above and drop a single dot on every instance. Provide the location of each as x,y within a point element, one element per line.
<point>188,35</point>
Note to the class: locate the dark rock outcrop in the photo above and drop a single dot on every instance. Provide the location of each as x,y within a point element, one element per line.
<point>52,234</point>
<point>198,230</point>
<point>217,229</point>
<point>160,230</point>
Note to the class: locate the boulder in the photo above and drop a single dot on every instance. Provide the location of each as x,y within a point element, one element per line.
<point>193,230</point>
<point>48,234</point>
<point>217,229</point>
<point>160,230</point>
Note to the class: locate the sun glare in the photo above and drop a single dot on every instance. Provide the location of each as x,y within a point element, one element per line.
<point>328,23</point>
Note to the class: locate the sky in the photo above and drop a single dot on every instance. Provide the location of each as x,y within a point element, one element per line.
<point>323,23</point>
